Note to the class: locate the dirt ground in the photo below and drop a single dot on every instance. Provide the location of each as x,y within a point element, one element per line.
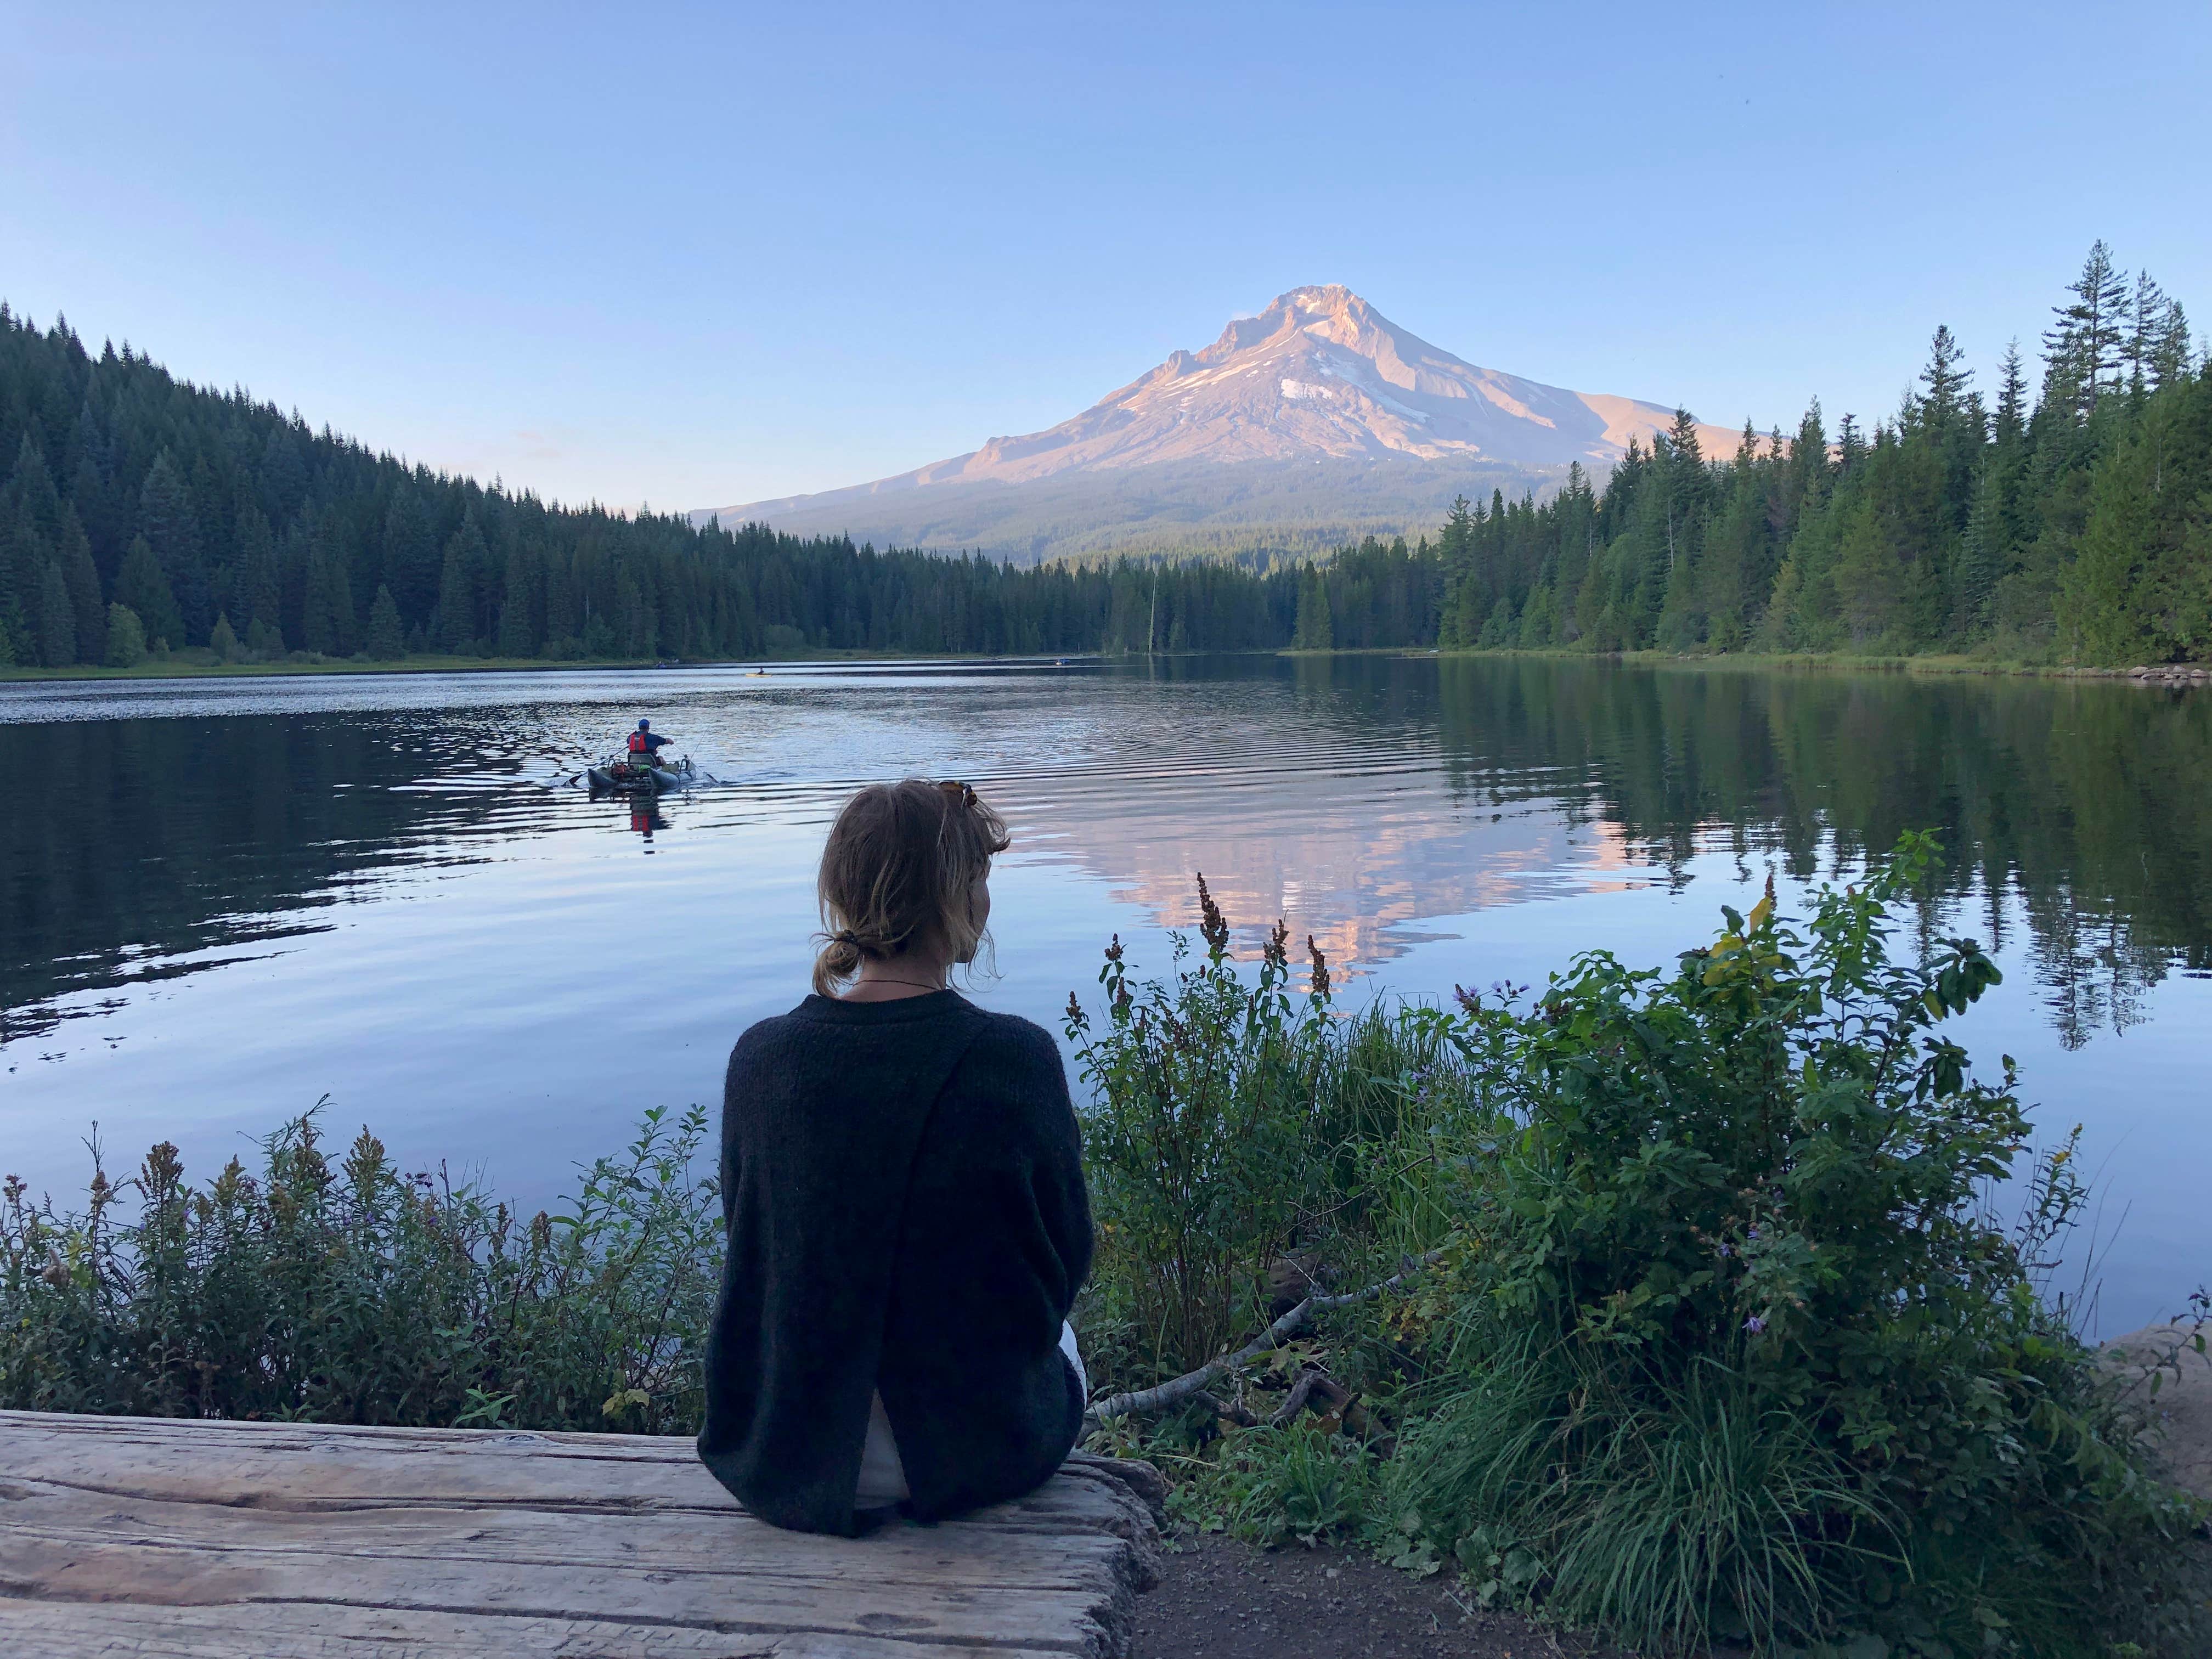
<point>1218,1599</point>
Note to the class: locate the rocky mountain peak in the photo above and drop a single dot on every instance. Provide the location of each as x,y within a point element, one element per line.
<point>1318,377</point>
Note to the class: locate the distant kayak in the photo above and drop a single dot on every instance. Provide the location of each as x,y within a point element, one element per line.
<point>620,778</point>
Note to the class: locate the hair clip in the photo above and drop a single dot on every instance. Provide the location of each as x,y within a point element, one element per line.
<point>962,793</point>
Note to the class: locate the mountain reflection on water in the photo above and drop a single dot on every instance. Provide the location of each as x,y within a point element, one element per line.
<point>223,899</point>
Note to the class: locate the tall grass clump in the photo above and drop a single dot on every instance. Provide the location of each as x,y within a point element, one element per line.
<point>351,1292</point>
<point>1197,1144</point>
<point>1234,1125</point>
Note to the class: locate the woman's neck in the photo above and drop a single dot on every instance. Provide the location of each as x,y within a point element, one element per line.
<point>890,979</point>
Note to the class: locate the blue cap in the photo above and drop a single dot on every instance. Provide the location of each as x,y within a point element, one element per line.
<point>643,725</point>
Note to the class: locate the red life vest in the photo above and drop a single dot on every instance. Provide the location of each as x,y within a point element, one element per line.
<point>638,746</point>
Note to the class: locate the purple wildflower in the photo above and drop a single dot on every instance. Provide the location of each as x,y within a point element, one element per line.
<point>1754,1324</point>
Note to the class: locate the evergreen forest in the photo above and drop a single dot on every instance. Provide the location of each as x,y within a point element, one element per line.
<point>2069,519</point>
<point>2059,515</point>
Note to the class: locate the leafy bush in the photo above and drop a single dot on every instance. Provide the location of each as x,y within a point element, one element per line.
<point>1738,1353</point>
<point>1724,1343</point>
<point>357,1294</point>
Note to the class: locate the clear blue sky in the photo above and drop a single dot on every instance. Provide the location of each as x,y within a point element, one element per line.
<point>695,256</point>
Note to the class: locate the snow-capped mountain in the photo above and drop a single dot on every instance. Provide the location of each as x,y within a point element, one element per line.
<point>1316,420</point>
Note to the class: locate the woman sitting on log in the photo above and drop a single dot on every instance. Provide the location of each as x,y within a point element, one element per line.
<point>902,1188</point>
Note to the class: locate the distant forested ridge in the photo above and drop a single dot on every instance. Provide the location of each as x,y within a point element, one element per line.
<point>2066,519</point>
<point>137,510</point>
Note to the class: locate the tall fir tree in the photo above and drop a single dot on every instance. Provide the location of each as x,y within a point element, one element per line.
<point>168,525</point>
<point>1315,631</point>
<point>57,620</point>
<point>385,641</point>
<point>82,579</point>
<point>2083,349</point>
<point>259,594</point>
<point>143,587</point>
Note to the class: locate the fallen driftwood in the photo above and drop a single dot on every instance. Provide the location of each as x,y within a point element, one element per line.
<point>148,1537</point>
<point>1315,1390</point>
<point>1175,1392</point>
<point>1226,1408</point>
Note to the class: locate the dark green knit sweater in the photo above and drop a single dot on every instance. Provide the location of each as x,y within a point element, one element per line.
<point>902,1185</point>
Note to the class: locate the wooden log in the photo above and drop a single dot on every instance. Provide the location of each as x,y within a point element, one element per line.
<point>219,1541</point>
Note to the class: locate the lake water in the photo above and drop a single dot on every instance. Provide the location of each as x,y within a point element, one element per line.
<point>220,900</point>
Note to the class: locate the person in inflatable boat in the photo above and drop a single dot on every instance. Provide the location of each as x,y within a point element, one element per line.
<point>646,744</point>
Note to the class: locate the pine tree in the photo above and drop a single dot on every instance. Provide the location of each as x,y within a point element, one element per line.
<point>517,635</point>
<point>2082,352</point>
<point>143,587</point>
<point>2157,339</point>
<point>1314,631</point>
<point>38,504</point>
<point>83,579</point>
<point>1945,401</point>
<point>1672,615</point>
<point>2099,611</point>
<point>410,566</point>
<point>283,475</point>
<point>1995,532</point>
<point>167,524</point>
<point>1805,482</point>
<point>224,639</point>
<point>1850,446</point>
<point>2011,425</point>
<point>464,554</point>
<point>1984,554</point>
<point>260,593</point>
<point>385,642</point>
<point>327,621</point>
<point>1866,576</point>
<point>57,620</point>
<point>291,552</point>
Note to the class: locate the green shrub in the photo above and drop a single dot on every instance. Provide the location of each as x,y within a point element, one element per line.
<point>1723,1342</point>
<point>126,637</point>
<point>356,1294</point>
<point>1738,1353</point>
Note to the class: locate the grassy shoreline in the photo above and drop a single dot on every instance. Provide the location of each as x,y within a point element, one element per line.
<point>190,666</point>
<point>1934,664</point>
<point>200,664</point>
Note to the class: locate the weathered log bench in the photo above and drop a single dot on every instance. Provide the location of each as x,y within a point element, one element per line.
<point>259,1541</point>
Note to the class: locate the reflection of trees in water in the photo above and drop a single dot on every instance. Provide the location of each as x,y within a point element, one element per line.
<point>2077,807</point>
<point>2095,975</point>
<point>2072,811</point>
<point>153,838</point>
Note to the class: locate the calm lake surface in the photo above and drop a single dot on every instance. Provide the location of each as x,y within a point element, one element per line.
<point>220,900</point>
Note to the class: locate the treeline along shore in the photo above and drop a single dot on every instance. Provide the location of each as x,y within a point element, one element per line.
<point>1667,1303</point>
<point>2057,514</point>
